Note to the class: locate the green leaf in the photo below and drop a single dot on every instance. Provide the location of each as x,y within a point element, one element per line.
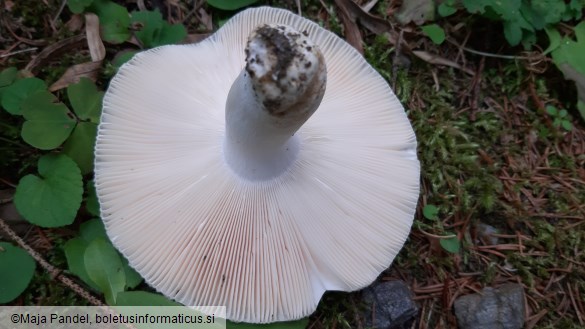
<point>170,34</point>
<point>114,20</point>
<point>80,145</point>
<point>435,32</point>
<point>554,38</point>
<point>451,245</point>
<point>476,6</point>
<point>122,57</point>
<point>154,31</point>
<point>14,96</point>
<point>16,270</point>
<point>143,298</point>
<point>48,123</point>
<point>299,324</point>
<point>445,9</point>
<point>86,100</point>
<point>91,202</point>
<point>512,32</point>
<point>574,10</point>
<point>78,6</point>
<point>149,24</point>
<point>430,212</point>
<point>508,10</point>
<point>7,76</point>
<point>74,253</point>
<point>133,279</point>
<point>105,268</point>
<point>567,125</point>
<point>571,51</point>
<point>93,229</point>
<point>53,199</point>
<point>75,250</point>
<point>230,4</point>
<point>551,110</point>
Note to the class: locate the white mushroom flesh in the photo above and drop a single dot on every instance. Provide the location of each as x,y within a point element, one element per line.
<point>281,86</point>
<point>332,217</point>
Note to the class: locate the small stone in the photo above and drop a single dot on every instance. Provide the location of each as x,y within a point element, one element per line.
<point>500,308</point>
<point>485,234</point>
<point>390,305</point>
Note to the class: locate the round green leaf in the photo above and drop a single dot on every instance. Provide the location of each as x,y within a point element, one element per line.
<point>452,245</point>
<point>53,199</point>
<point>446,9</point>
<point>16,270</point>
<point>105,268</point>
<point>567,125</point>
<point>86,100</point>
<point>154,31</point>
<point>114,20</point>
<point>48,123</point>
<point>78,6</point>
<point>434,32</point>
<point>430,212</point>
<point>150,23</point>
<point>14,96</point>
<point>93,229</point>
<point>170,34</point>
<point>7,76</point>
<point>551,110</point>
<point>230,4</point>
<point>75,255</point>
<point>80,145</point>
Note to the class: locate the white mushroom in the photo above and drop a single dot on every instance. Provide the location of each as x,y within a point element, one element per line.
<point>222,187</point>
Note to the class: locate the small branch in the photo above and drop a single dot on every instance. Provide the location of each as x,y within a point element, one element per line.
<point>481,53</point>
<point>18,52</point>
<point>53,271</point>
<point>437,236</point>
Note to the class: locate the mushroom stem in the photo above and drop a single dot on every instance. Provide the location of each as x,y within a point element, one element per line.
<point>281,86</point>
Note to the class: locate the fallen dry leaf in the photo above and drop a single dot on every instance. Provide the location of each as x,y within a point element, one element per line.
<point>94,42</point>
<point>75,23</point>
<point>74,73</point>
<point>53,51</point>
<point>8,5</point>
<point>372,23</point>
<point>352,32</point>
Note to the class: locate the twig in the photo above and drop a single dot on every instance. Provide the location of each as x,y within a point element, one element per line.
<point>18,52</point>
<point>56,17</point>
<point>481,53</point>
<point>437,236</point>
<point>53,271</point>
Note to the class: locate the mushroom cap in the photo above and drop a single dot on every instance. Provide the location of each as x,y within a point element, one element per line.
<point>266,249</point>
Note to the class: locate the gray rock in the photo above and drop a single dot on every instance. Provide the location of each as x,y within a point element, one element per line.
<point>485,234</point>
<point>500,308</point>
<point>389,305</point>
